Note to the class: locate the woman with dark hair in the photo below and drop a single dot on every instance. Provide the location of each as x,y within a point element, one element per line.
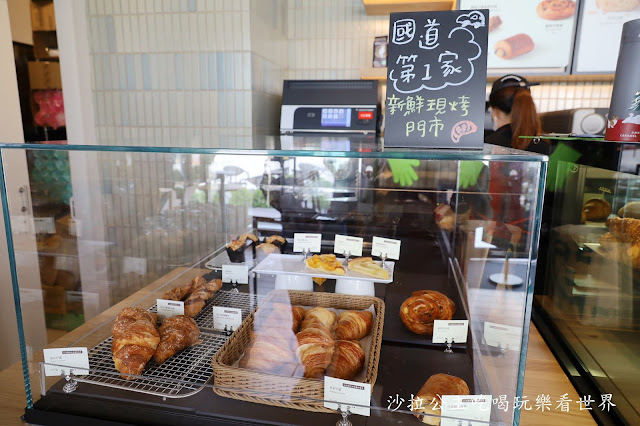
<point>514,114</point>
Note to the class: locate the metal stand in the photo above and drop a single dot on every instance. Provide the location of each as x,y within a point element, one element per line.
<point>344,421</point>
<point>71,384</point>
<point>448,349</point>
<point>347,255</point>
<point>234,287</point>
<point>384,261</point>
<point>305,253</point>
<point>501,353</point>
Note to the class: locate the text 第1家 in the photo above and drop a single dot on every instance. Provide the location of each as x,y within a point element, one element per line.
<point>437,71</point>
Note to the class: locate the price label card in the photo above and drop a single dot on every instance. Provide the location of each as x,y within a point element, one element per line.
<point>450,331</point>
<point>342,393</point>
<point>169,308</point>
<point>387,247</point>
<point>235,273</point>
<point>44,225</point>
<point>19,224</point>
<point>310,242</point>
<point>348,245</point>
<point>226,317</point>
<point>137,265</point>
<point>64,360</point>
<point>504,336</point>
<point>467,407</point>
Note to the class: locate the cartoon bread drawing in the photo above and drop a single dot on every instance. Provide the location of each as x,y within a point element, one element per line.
<point>494,22</point>
<point>462,128</point>
<point>514,46</point>
<point>556,9</point>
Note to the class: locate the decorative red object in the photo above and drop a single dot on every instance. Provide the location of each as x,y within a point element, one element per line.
<point>50,108</point>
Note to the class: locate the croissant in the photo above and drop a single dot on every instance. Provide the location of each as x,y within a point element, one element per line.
<point>436,386</point>
<point>315,350</point>
<point>196,301</point>
<point>268,355</point>
<point>135,340</point>
<point>319,315</point>
<point>180,292</point>
<point>347,361</point>
<point>354,325</point>
<point>176,333</point>
<point>622,242</point>
<point>419,311</point>
<point>282,316</point>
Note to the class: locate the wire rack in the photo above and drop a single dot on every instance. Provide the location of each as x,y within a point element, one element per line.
<point>244,301</point>
<point>181,375</point>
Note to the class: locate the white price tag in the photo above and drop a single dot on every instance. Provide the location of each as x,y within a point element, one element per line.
<point>448,331</point>
<point>235,273</point>
<point>308,242</point>
<point>386,246</point>
<point>224,317</point>
<point>29,295</point>
<point>136,265</point>
<point>467,407</point>
<point>75,227</point>
<point>169,308</point>
<point>19,224</point>
<point>44,225</point>
<point>346,392</point>
<point>348,245</point>
<point>504,336</point>
<point>76,359</point>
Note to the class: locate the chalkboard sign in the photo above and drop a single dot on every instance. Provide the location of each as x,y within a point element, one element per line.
<point>437,76</point>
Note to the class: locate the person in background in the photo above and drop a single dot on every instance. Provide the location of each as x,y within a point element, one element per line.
<point>514,114</point>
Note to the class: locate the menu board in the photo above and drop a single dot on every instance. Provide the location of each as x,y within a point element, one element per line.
<point>598,39</point>
<point>436,79</point>
<point>531,35</point>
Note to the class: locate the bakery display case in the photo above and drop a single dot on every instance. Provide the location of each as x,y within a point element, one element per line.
<point>300,280</point>
<point>586,296</point>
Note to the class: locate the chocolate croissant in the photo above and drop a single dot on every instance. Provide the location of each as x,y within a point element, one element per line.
<point>176,333</point>
<point>319,315</point>
<point>315,350</point>
<point>135,339</point>
<point>347,361</point>
<point>354,325</point>
<point>196,301</point>
<point>419,311</point>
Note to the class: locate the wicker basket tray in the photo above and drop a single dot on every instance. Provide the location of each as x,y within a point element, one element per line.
<point>289,392</point>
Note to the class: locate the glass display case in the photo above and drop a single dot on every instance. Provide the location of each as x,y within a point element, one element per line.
<point>586,297</point>
<point>303,274</point>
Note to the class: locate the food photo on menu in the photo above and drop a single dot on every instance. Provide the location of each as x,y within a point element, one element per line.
<point>528,33</point>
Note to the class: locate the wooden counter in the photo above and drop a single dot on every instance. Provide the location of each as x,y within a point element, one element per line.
<point>543,374</point>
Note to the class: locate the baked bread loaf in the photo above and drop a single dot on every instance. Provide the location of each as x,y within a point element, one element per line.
<point>514,46</point>
<point>176,333</point>
<point>445,217</point>
<point>622,242</point>
<point>319,316</point>
<point>315,350</point>
<point>354,325</point>
<point>595,209</point>
<point>196,301</point>
<point>347,361</point>
<point>556,9</point>
<point>182,291</point>
<point>494,22</point>
<point>617,5</point>
<point>248,236</point>
<point>269,355</point>
<point>436,386</point>
<point>631,210</point>
<point>419,311</point>
<point>366,266</point>
<point>281,315</point>
<point>135,339</point>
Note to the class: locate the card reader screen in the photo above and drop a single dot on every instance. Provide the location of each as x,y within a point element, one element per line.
<point>336,117</point>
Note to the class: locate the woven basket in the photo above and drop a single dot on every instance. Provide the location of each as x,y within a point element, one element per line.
<point>289,392</point>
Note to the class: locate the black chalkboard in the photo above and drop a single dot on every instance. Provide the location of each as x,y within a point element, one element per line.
<point>437,75</point>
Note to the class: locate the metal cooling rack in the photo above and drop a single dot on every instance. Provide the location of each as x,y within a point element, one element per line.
<point>244,301</point>
<point>180,376</point>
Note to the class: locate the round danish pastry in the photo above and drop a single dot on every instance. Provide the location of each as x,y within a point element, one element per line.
<point>419,311</point>
<point>556,9</point>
